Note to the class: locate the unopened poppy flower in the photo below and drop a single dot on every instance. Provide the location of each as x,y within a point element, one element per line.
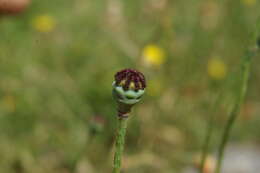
<point>128,88</point>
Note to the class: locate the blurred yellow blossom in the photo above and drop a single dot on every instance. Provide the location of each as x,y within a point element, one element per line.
<point>217,69</point>
<point>9,103</point>
<point>44,23</point>
<point>249,2</point>
<point>153,55</point>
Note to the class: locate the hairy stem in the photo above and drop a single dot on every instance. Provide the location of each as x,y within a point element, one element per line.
<point>120,141</point>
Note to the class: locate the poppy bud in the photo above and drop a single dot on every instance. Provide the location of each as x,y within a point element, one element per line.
<point>128,88</point>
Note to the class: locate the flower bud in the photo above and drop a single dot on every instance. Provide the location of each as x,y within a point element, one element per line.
<point>128,88</point>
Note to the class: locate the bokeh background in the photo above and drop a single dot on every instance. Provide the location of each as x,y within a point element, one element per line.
<point>57,61</point>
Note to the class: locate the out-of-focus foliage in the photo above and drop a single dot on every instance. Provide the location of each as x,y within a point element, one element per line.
<point>57,61</point>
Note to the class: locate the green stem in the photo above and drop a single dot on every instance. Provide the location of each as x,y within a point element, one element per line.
<point>245,72</point>
<point>120,141</point>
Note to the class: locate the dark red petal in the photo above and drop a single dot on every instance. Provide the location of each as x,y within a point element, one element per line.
<point>130,75</point>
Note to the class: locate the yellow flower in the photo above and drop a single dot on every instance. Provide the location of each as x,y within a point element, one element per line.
<point>249,2</point>
<point>153,55</point>
<point>44,23</point>
<point>9,103</point>
<point>217,69</point>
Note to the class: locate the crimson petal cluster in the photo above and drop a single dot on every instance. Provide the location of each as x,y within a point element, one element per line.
<point>126,76</point>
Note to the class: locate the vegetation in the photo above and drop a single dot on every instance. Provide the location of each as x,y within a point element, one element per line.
<point>58,59</point>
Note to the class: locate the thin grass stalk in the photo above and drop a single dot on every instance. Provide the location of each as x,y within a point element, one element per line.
<point>240,97</point>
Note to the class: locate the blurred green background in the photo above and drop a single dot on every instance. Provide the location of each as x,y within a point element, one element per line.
<point>57,61</point>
